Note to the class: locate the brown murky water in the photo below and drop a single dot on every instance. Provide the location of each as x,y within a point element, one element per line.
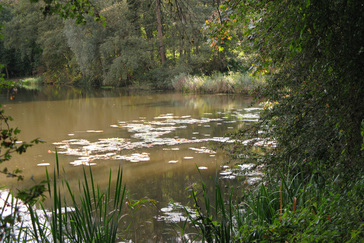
<point>158,138</point>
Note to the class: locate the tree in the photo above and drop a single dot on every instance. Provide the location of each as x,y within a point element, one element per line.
<point>25,31</point>
<point>314,55</point>
<point>72,9</point>
<point>20,39</point>
<point>143,40</point>
<point>57,59</point>
<point>160,34</point>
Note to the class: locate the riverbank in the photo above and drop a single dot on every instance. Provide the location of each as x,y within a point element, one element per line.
<point>230,82</point>
<point>291,209</point>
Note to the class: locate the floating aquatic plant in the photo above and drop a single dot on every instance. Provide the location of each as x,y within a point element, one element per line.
<point>149,134</point>
<point>202,168</point>
<point>136,157</point>
<point>203,150</point>
<point>175,213</point>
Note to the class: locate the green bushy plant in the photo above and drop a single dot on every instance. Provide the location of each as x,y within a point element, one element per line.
<point>290,210</point>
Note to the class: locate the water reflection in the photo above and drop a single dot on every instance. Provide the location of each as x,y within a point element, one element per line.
<point>64,115</point>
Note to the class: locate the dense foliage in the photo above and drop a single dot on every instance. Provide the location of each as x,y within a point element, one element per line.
<point>131,42</point>
<point>295,209</point>
<point>314,115</point>
<point>314,55</point>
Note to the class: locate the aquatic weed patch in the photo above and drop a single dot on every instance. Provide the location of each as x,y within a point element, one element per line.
<point>175,213</point>
<point>158,131</point>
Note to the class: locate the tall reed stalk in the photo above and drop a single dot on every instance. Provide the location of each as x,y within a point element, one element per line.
<point>248,218</point>
<point>90,216</point>
<point>232,82</point>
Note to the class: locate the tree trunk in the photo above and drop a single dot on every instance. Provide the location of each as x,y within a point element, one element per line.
<point>7,72</point>
<point>160,34</point>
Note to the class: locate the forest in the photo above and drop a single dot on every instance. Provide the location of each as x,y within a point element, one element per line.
<point>310,53</point>
<point>136,42</point>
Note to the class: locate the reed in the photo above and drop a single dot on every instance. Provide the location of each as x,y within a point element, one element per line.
<point>8,216</point>
<point>231,82</point>
<point>215,221</point>
<point>90,215</point>
<point>270,211</point>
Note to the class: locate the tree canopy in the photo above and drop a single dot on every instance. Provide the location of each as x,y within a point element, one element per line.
<point>130,41</point>
<point>313,52</point>
<point>75,9</point>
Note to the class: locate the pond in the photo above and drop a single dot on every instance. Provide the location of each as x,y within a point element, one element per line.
<point>159,139</point>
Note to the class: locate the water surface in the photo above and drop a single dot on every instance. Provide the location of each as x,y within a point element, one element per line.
<point>189,124</point>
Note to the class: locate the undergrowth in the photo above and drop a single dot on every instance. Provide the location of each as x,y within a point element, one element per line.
<point>292,209</point>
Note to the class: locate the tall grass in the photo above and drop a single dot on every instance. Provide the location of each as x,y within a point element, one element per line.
<point>214,219</point>
<point>292,209</point>
<point>9,214</point>
<point>90,215</point>
<point>232,82</point>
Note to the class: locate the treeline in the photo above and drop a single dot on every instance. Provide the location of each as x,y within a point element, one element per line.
<point>139,41</point>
